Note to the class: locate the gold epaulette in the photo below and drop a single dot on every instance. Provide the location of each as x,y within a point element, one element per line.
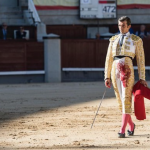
<point>135,37</point>
<point>113,37</point>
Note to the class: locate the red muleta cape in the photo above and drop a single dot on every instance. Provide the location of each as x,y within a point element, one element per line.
<point>139,92</point>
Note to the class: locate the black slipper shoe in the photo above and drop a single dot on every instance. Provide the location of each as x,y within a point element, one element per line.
<point>131,133</point>
<point>121,135</point>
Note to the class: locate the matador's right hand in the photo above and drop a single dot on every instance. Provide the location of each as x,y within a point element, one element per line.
<point>107,83</point>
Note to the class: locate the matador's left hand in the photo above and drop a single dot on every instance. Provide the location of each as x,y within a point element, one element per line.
<point>143,82</point>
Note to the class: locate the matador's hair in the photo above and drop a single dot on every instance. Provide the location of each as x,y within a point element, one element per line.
<point>125,18</point>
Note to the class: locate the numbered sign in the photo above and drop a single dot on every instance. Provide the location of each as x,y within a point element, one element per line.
<point>92,9</point>
<point>109,11</point>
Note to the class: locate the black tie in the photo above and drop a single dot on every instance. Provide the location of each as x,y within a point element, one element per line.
<point>122,37</point>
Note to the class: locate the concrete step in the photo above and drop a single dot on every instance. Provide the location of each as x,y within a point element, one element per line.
<point>11,13</point>
<point>13,21</point>
<point>11,16</point>
<point>9,9</point>
<point>8,2</point>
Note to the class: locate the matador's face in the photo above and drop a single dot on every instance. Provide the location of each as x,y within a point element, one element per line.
<point>123,27</point>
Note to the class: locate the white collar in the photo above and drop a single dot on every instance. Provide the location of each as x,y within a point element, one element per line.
<point>126,34</point>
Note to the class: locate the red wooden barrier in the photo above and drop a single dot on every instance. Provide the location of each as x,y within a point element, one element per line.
<point>21,55</point>
<point>83,53</point>
<point>68,31</point>
<point>18,55</point>
<point>90,53</point>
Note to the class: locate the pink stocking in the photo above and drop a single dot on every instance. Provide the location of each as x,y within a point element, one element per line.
<point>125,118</point>
<point>131,124</point>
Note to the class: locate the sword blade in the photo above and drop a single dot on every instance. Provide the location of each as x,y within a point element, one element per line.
<point>98,108</point>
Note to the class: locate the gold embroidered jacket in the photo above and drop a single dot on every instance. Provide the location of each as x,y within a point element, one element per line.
<point>132,46</point>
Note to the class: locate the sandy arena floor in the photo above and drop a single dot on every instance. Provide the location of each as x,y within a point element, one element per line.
<point>59,116</point>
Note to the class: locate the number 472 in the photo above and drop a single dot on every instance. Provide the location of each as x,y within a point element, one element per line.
<point>110,9</point>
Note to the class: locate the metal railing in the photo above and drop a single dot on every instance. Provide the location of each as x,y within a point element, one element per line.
<point>32,9</point>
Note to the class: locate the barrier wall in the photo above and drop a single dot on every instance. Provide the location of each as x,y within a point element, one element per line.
<point>81,60</point>
<point>90,53</point>
<point>16,55</point>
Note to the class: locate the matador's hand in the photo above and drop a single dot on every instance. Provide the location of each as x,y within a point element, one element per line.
<point>143,82</point>
<point>108,83</point>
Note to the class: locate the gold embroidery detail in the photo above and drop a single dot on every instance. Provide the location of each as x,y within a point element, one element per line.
<point>130,54</point>
<point>122,51</point>
<point>127,42</point>
<point>140,59</point>
<point>109,61</point>
<point>134,37</point>
<point>110,67</point>
<point>113,77</point>
<point>125,103</point>
<point>127,47</point>
<point>118,50</point>
<point>128,89</point>
<point>113,37</point>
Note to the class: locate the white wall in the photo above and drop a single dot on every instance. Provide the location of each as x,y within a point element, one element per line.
<point>64,17</point>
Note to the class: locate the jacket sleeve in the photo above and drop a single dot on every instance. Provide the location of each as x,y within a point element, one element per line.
<point>140,58</point>
<point>108,61</point>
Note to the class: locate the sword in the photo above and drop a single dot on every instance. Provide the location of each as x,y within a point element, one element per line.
<point>98,108</point>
